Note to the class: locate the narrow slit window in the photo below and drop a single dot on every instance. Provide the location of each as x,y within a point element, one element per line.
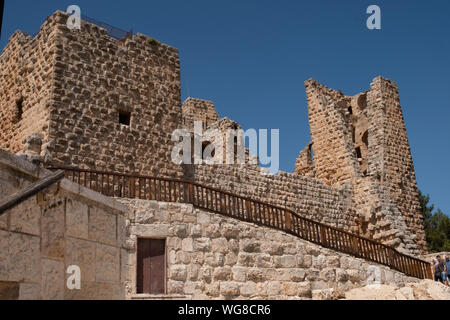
<point>125,118</point>
<point>350,110</point>
<point>19,109</point>
<point>358,153</point>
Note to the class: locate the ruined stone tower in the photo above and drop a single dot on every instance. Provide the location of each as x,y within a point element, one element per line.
<point>362,141</point>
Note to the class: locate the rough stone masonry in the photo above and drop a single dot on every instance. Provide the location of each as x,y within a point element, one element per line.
<point>98,103</point>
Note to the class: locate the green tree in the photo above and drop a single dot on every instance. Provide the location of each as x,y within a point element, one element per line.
<point>436,224</point>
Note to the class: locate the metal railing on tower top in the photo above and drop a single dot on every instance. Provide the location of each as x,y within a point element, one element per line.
<point>112,31</point>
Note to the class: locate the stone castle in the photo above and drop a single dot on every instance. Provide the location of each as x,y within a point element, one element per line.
<point>82,99</point>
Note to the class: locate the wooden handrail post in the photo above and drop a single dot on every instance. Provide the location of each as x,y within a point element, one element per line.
<point>323,237</point>
<point>355,245</point>
<point>287,219</point>
<point>191,193</point>
<point>248,209</point>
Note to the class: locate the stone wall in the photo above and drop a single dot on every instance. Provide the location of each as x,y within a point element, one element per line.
<point>308,197</point>
<point>63,226</point>
<point>215,257</point>
<point>26,82</point>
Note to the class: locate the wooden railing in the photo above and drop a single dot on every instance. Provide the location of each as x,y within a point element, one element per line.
<point>246,209</point>
<point>30,191</point>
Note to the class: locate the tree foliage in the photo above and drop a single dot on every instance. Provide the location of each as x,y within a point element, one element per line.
<point>436,224</point>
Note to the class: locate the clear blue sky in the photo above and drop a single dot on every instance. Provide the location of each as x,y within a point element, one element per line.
<point>251,58</point>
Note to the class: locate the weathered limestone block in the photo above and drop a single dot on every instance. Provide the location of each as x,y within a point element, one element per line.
<point>180,231</point>
<point>285,262</point>
<point>102,226</point>
<point>229,289</point>
<point>298,275</point>
<point>304,289</point>
<point>52,241</point>
<point>220,245</point>
<point>25,217</point>
<point>354,275</point>
<point>212,290</point>
<point>272,248</point>
<point>230,259</point>
<point>29,291</point>
<point>290,288</point>
<point>192,272</point>
<point>4,255</point>
<point>333,261</point>
<point>249,245</point>
<point>24,258</point>
<point>246,259</point>
<point>213,231</point>
<point>202,244</point>
<point>4,218</point>
<point>81,253</point>
<point>203,219</point>
<point>123,226</point>
<point>178,272</point>
<point>239,274</point>
<point>88,291</point>
<point>248,289</point>
<point>183,257</point>
<point>188,245</point>
<point>255,274</point>
<point>147,214</point>
<point>230,231</point>
<point>222,274</point>
<point>327,294</point>
<point>107,265</point>
<point>151,231</point>
<point>96,291</point>
<point>196,231</point>
<point>214,259</point>
<point>77,219</point>
<point>175,243</point>
<point>52,280</point>
<point>205,274</point>
<point>175,287</point>
<point>274,288</point>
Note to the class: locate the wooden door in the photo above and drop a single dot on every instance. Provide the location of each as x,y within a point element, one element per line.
<point>151,266</point>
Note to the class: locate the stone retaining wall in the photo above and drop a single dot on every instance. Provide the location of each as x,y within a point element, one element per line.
<point>215,257</point>
<point>63,226</point>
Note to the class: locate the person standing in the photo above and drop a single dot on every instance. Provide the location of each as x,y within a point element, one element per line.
<point>436,272</point>
<point>447,265</point>
<point>440,273</point>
